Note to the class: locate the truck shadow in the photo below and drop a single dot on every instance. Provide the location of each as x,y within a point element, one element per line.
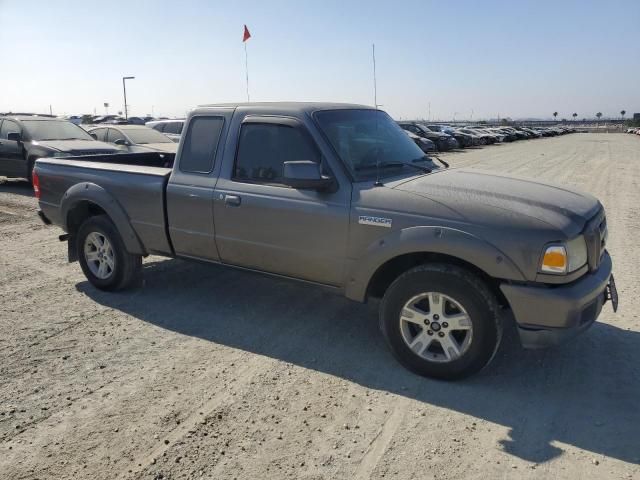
<point>16,187</point>
<point>583,394</point>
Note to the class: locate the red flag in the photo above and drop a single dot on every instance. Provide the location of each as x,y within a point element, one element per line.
<point>246,36</point>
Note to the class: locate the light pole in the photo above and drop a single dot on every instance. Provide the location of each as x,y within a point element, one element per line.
<point>124,89</point>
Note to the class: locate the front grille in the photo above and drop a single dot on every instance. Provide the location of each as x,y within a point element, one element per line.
<point>595,235</point>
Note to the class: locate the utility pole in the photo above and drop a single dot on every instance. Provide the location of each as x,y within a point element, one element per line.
<point>124,89</point>
<point>50,111</point>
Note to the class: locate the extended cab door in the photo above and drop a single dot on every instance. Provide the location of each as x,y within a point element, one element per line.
<point>265,225</point>
<point>190,187</point>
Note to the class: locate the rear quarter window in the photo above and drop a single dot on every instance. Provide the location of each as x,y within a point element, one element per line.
<point>200,144</point>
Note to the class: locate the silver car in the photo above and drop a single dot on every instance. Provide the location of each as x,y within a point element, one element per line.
<point>171,128</point>
<point>134,138</point>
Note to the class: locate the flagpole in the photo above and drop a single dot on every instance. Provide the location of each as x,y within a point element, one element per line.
<point>246,65</point>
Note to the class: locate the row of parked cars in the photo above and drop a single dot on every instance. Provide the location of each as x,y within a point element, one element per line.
<point>432,138</point>
<point>25,137</point>
<point>634,130</point>
<point>170,127</point>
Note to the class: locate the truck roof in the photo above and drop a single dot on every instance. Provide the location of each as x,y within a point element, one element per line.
<point>297,107</point>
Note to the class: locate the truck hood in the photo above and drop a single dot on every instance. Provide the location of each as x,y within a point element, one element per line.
<point>80,147</point>
<point>484,197</point>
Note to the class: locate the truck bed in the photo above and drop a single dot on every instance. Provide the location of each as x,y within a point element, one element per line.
<point>150,159</point>
<point>130,179</point>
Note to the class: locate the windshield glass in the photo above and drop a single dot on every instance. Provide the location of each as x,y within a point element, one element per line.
<point>147,135</point>
<point>366,138</point>
<point>55,130</point>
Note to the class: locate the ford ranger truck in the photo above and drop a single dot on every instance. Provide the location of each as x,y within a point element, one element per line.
<point>339,196</point>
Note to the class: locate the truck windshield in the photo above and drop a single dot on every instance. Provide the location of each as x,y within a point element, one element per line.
<point>54,130</point>
<point>369,140</point>
<point>147,135</point>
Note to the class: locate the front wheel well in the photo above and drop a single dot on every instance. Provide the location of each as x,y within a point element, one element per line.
<point>392,269</point>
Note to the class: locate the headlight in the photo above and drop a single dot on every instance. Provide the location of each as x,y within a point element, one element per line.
<point>563,258</point>
<point>61,154</point>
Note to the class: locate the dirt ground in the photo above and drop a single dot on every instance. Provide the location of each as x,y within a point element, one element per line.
<point>220,374</point>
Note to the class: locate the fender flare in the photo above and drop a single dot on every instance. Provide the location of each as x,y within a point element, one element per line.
<point>90,192</point>
<point>429,239</point>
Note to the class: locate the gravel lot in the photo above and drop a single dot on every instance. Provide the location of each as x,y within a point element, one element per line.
<point>213,373</point>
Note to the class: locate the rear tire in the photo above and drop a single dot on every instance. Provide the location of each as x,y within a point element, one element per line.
<point>103,256</point>
<point>441,321</point>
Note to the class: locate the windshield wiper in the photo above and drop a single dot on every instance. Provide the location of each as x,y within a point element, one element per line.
<point>446,165</point>
<point>393,165</point>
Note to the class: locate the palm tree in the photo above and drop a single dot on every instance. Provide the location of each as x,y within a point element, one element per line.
<point>622,112</point>
<point>574,116</point>
<point>555,114</point>
<point>599,114</point>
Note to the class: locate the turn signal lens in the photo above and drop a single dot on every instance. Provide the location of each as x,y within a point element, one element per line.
<point>554,260</point>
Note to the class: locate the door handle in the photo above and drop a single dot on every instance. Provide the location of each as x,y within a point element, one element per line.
<point>232,200</point>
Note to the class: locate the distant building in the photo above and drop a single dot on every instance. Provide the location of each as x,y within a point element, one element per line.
<point>636,117</point>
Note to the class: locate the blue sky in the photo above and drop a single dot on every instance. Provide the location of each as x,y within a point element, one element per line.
<point>508,58</point>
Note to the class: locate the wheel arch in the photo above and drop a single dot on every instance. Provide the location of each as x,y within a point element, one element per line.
<point>85,200</point>
<point>401,250</point>
<point>393,268</point>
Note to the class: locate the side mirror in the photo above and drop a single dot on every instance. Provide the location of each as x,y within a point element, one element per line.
<point>121,141</point>
<point>306,175</point>
<point>94,136</point>
<point>14,136</point>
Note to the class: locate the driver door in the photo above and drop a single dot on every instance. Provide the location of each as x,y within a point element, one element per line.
<point>265,225</point>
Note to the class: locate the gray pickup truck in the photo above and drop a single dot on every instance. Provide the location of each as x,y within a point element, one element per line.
<point>339,196</point>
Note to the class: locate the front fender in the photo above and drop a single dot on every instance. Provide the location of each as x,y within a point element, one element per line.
<point>90,192</point>
<point>440,240</point>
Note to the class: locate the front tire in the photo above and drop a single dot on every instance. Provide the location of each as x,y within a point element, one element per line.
<point>103,256</point>
<point>441,321</point>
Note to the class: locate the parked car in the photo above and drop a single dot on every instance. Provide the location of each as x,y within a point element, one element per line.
<point>106,118</point>
<point>483,138</point>
<point>426,145</point>
<point>75,119</point>
<point>338,195</point>
<point>136,121</point>
<point>443,141</point>
<point>463,139</point>
<point>171,128</point>
<point>500,136</point>
<point>25,138</point>
<point>134,138</point>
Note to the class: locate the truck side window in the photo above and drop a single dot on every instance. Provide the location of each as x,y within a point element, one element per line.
<point>263,148</point>
<point>200,144</point>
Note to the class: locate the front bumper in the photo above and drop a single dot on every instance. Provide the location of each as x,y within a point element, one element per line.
<point>548,315</point>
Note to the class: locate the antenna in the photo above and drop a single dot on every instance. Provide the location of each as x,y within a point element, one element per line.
<point>375,86</point>
<point>378,183</point>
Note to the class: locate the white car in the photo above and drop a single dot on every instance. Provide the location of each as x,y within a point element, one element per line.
<point>171,128</point>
